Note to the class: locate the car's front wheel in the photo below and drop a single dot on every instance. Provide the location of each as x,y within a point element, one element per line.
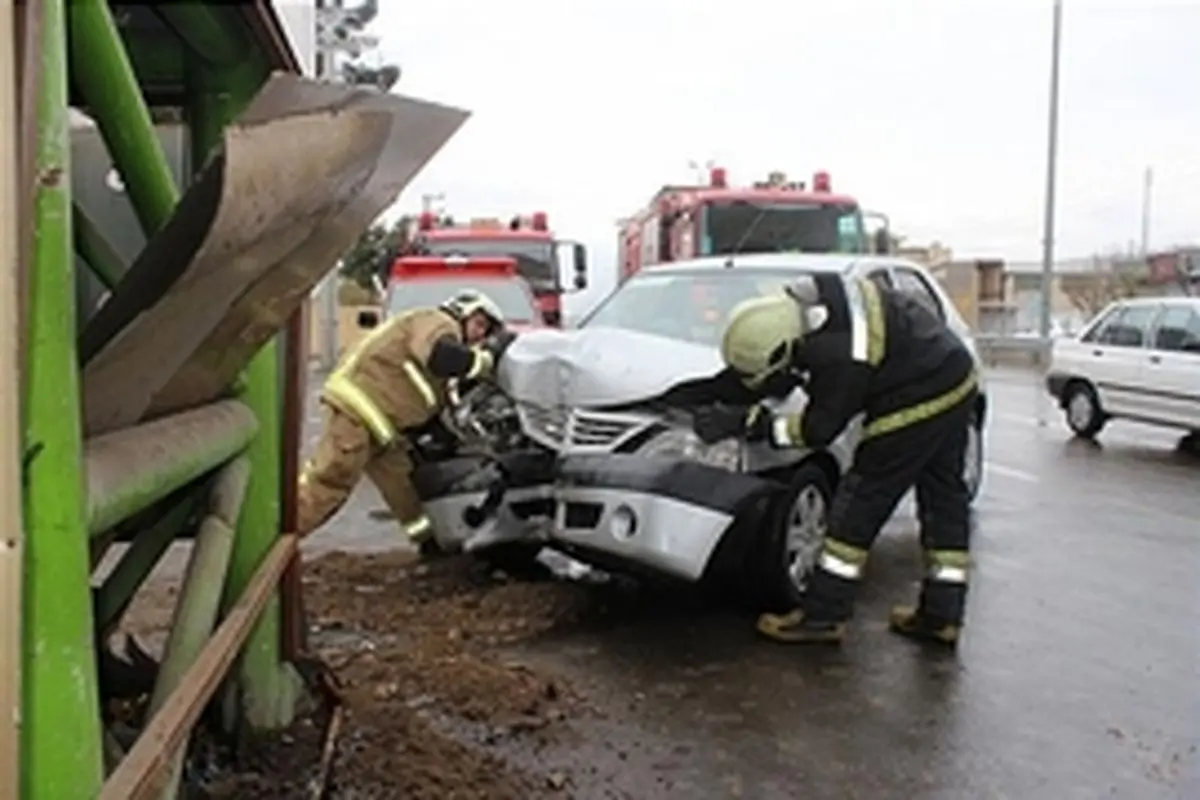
<point>973,459</point>
<point>1085,418</point>
<point>782,564</point>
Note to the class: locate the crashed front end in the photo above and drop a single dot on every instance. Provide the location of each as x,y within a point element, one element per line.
<point>585,460</point>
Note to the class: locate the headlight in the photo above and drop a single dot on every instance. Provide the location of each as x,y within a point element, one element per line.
<point>683,443</point>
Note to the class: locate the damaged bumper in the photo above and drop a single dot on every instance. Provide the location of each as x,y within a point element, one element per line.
<point>623,512</point>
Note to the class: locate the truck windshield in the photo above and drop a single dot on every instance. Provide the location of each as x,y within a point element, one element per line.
<point>508,293</point>
<point>692,306</point>
<point>535,259</point>
<point>746,227</point>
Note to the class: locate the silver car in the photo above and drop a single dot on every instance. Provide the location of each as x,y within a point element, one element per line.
<point>584,444</point>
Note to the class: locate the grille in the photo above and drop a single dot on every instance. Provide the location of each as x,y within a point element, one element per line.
<point>562,429</point>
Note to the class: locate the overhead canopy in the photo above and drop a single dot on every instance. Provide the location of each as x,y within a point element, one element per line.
<point>304,171</point>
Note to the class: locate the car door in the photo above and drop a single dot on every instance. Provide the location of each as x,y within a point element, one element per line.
<point>1118,358</point>
<point>1171,376</point>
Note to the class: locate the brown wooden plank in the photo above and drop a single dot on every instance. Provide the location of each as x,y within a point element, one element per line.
<point>139,773</point>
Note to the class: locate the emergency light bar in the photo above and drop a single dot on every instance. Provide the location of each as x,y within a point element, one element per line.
<point>433,266</point>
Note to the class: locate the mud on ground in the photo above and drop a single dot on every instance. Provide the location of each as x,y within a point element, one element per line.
<point>429,690</point>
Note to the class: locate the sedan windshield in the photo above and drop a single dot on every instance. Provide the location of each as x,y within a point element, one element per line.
<point>743,227</point>
<point>508,293</point>
<point>691,306</point>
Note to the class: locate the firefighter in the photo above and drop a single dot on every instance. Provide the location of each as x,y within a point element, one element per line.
<point>393,381</point>
<point>858,347</point>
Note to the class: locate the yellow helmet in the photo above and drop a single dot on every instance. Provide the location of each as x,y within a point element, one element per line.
<point>759,338</point>
<point>470,301</point>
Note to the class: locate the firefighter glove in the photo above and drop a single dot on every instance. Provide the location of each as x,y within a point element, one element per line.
<point>498,343</point>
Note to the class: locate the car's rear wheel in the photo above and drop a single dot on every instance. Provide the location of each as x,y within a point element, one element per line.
<point>781,566</point>
<point>973,458</point>
<point>1084,415</point>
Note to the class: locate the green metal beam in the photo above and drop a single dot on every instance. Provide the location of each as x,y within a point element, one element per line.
<point>61,752</point>
<point>105,77</point>
<point>207,30</point>
<point>95,250</point>
<point>131,469</point>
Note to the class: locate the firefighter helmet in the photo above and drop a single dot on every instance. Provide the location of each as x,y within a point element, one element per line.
<point>760,336</point>
<point>470,301</point>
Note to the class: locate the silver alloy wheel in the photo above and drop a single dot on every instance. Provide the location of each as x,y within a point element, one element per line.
<point>973,460</point>
<point>807,521</point>
<point>1080,410</point>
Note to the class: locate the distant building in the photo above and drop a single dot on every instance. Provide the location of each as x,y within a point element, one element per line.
<point>1170,271</point>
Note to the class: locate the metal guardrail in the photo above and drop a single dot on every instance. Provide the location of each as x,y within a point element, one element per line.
<point>1011,350</point>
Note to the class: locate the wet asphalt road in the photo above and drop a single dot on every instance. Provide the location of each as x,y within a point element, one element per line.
<point>1078,677</point>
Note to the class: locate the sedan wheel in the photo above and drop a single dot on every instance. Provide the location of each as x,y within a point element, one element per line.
<point>973,461</point>
<point>1084,415</point>
<point>807,522</point>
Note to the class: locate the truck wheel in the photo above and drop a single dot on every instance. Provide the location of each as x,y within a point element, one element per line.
<point>779,569</point>
<point>1085,418</point>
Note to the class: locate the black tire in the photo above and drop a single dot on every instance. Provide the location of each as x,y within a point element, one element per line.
<point>769,568</point>
<point>517,560</point>
<point>973,466</point>
<point>1082,409</point>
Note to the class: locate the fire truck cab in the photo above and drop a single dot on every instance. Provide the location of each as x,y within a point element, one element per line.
<point>428,281</point>
<point>775,215</point>
<point>525,241</point>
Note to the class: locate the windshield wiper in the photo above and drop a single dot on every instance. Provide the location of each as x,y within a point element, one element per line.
<point>762,212</point>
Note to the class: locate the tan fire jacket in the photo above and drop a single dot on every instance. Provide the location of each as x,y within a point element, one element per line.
<point>385,381</point>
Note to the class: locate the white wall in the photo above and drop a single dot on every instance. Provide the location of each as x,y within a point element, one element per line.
<point>299,20</point>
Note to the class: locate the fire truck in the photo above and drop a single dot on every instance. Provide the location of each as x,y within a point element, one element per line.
<point>526,241</point>
<point>775,215</point>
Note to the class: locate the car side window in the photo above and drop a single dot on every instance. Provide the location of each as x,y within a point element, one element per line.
<point>1100,325</point>
<point>1131,328</point>
<point>913,284</point>
<point>1178,329</point>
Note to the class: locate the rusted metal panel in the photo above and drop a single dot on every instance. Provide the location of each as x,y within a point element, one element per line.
<point>302,174</point>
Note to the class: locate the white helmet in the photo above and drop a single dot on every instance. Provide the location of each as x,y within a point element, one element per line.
<point>471,301</point>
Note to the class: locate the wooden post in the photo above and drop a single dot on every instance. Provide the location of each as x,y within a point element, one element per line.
<point>11,531</point>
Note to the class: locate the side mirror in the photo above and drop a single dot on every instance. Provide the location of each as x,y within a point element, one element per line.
<point>579,258</point>
<point>368,319</point>
<point>883,242</point>
<point>580,281</point>
<point>552,318</point>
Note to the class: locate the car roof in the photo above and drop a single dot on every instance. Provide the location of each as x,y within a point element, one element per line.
<point>1151,301</point>
<point>800,262</point>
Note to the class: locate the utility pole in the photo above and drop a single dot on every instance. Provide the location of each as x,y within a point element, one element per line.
<point>339,31</point>
<point>1051,184</point>
<point>329,286</point>
<point>1147,188</point>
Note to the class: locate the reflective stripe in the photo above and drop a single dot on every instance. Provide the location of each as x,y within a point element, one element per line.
<point>343,392</point>
<point>858,321</point>
<point>841,559</point>
<point>947,566</point>
<point>481,362</point>
<point>921,411</point>
<point>417,377</point>
<point>418,529</point>
<point>786,430</point>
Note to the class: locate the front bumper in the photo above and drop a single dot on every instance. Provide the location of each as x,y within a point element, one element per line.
<point>623,512</point>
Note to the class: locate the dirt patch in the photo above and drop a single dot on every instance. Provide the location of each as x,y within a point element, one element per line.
<point>431,697</point>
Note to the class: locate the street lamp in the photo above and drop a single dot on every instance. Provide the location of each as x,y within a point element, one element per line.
<point>1051,170</point>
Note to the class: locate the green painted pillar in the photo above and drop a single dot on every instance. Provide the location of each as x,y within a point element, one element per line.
<point>94,249</point>
<point>60,731</point>
<point>102,71</point>
<point>268,686</point>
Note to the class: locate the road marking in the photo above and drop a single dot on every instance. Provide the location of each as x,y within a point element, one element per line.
<point>1020,419</point>
<point>1009,472</point>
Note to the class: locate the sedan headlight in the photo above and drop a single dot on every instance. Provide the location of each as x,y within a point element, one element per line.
<point>683,443</point>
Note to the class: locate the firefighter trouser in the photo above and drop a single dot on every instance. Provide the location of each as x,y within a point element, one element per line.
<point>930,456</point>
<point>343,454</point>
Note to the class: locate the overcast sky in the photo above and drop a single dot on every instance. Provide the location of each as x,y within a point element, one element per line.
<point>933,111</point>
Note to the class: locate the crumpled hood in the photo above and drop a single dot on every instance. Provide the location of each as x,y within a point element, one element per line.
<point>598,367</point>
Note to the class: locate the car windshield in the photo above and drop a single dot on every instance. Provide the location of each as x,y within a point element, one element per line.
<point>744,227</point>
<point>535,259</point>
<point>508,293</point>
<point>689,305</point>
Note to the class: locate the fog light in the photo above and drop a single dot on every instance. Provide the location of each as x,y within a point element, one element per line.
<point>623,523</point>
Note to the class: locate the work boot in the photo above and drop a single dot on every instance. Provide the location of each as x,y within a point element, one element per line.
<point>794,628</point>
<point>910,622</point>
<point>429,549</point>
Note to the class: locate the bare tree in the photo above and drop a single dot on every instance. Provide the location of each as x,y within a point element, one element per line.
<point>1089,292</point>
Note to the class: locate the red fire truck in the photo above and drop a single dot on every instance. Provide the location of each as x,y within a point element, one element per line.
<point>427,281</point>
<point>527,241</point>
<point>775,215</point>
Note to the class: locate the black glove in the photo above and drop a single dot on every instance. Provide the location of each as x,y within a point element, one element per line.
<point>714,423</point>
<point>497,343</point>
